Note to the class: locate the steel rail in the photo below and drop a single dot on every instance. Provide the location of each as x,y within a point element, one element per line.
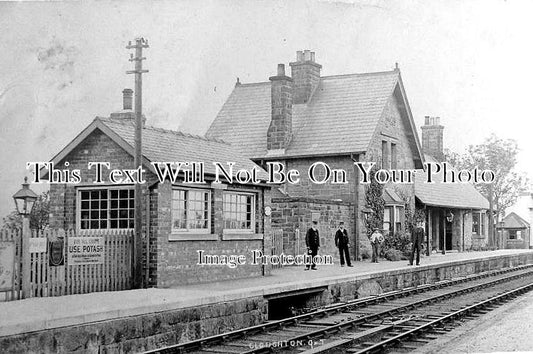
<point>430,326</point>
<point>363,302</point>
<point>383,314</point>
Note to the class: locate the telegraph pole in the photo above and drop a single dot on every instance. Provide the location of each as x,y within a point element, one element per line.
<point>140,43</point>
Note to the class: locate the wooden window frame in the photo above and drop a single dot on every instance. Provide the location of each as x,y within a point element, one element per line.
<point>253,202</point>
<point>78,211</point>
<point>189,231</point>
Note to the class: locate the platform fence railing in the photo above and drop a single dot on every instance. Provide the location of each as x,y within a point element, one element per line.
<point>65,262</point>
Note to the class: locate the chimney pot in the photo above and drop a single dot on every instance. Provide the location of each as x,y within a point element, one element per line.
<point>306,75</point>
<point>281,69</point>
<point>127,99</point>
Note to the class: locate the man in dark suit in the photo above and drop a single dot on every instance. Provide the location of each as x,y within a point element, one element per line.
<point>312,241</point>
<point>343,243</point>
<point>417,237</point>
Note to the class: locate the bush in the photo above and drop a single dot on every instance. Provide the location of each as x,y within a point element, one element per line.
<point>365,252</point>
<point>393,255</point>
<point>400,242</point>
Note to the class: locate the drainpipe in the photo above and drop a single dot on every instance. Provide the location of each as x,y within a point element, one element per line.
<point>356,208</point>
<point>464,214</point>
<point>428,220</point>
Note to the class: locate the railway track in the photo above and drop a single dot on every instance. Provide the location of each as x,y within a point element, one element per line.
<point>403,319</point>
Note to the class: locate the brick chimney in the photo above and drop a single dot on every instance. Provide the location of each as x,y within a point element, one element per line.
<point>279,132</point>
<point>306,75</point>
<point>432,138</point>
<point>127,99</point>
<point>127,112</point>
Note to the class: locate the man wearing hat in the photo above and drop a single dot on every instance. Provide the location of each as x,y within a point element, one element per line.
<point>312,241</point>
<point>417,237</point>
<point>343,243</point>
<point>376,239</point>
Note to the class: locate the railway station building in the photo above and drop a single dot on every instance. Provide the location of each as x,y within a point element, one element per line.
<point>179,218</point>
<point>514,232</point>
<point>341,119</point>
<point>456,213</point>
<point>304,118</point>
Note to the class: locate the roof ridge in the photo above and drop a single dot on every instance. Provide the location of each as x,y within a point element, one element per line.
<point>190,135</point>
<point>327,77</point>
<point>163,130</point>
<point>360,74</point>
<point>520,219</point>
<point>253,83</point>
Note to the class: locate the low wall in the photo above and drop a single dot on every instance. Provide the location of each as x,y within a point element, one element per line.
<point>156,329</point>
<point>377,283</point>
<point>143,332</point>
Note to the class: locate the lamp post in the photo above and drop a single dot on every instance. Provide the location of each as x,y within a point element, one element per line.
<point>24,200</point>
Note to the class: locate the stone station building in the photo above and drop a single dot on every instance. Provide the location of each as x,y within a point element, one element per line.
<point>338,120</point>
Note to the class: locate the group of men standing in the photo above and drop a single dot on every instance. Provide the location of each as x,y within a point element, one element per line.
<point>342,242</point>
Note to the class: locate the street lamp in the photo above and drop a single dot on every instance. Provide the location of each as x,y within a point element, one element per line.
<point>449,216</point>
<point>24,200</point>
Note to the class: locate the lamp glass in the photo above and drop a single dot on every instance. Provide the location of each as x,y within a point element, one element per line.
<point>25,199</point>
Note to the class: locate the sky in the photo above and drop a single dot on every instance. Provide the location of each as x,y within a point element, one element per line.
<point>63,63</point>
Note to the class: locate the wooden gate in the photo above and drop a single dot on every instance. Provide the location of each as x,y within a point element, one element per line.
<point>70,265</point>
<point>10,250</point>
<point>113,273</point>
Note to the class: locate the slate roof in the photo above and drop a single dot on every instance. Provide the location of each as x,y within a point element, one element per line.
<point>514,221</point>
<point>161,145</point>
<point>450,195</point>
<point>391,197</point>
<point>341,116</point>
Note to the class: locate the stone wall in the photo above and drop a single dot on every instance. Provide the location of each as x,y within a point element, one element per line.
<point>143,332</point>
<point>163,328</point>
<point>398,279</point>
<point>295,216</point>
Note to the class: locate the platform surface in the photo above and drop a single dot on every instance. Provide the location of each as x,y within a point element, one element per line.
<point>44,313</point>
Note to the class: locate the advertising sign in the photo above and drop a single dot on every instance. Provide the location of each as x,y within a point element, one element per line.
<point>38,244</point>
<point>85,250</point>
<point>55,252</point>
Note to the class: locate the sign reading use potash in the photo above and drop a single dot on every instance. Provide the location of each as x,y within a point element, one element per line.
<point>85,250</point>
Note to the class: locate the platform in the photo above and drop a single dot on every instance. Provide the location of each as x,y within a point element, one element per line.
<point>42,314</point>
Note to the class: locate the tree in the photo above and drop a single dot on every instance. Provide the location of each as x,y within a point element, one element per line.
<point>499,156</point>
<point>39,217</point>
<point>13,221</point>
